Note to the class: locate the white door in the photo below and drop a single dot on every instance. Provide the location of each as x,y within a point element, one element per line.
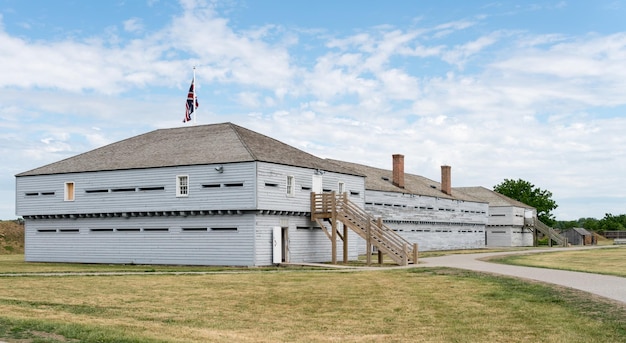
<point>316,185</point>
<point>277,244</point>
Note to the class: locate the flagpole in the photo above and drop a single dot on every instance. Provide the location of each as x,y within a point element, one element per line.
<point>195,101</point>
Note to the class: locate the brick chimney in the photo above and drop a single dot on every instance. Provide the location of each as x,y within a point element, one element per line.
<point>398,170</point>
<point>446,179</point>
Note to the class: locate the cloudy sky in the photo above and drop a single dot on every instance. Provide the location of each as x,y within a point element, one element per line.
<point>496,89</point>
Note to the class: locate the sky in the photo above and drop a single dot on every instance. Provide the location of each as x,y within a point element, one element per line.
<point>532,90</point>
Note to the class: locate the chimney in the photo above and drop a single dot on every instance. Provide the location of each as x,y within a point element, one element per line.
<point>446,179</point>
<point>398,170</point>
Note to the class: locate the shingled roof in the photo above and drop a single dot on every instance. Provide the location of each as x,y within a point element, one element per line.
<point>492,197</point>
<point>381,180</point>
<point>191,145</point>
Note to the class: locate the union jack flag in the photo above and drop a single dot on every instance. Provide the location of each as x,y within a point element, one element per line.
<point>191,97</point>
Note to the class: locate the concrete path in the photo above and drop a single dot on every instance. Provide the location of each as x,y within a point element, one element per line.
<point>612,287</point>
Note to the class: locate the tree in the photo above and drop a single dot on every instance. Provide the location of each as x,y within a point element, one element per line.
<point>612,223</point>
<point>590,224</point>
<point>530,195</point>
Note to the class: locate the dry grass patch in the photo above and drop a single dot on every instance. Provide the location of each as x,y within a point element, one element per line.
<point>608,261</point>
<point>15,264</point>
<point>11,237</point>
<point>409,305</point>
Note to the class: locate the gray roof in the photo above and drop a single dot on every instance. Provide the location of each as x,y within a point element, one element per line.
<point>581,231</point>
<point>381,180</point>
<point>191,145</point>
<point>494,198</point>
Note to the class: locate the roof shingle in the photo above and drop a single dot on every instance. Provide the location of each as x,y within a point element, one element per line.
<point>192,145</point>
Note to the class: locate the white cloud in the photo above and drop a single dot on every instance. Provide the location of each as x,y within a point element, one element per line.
<point>133,25</point>
<point>493,104</point>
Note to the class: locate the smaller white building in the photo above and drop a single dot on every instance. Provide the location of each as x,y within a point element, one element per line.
<point>506,226</point>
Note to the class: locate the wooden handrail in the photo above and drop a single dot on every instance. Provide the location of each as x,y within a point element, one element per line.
<point>326,205</point>
<point>551,233</point>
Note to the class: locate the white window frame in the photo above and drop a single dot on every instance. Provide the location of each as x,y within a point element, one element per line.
<point>291,185</point>
<point>182,190</point>
<point>69,193</point>
<point>341,187</point>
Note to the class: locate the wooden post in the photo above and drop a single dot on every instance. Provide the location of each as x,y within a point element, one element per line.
<point>415,257</point>
<point>313,206</point>
<point>405,258</point>
<point>343,201</point>
<point>334,228</point>
<point>345,243</point>
<point>368,242</point>
<point>379,222</point>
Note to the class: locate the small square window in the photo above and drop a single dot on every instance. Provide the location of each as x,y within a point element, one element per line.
<point>69,191</point>
<point>182,185</point>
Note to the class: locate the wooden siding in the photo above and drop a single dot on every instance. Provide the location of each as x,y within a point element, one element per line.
<point>440,237</point>
<point>272,187</point>
<point>138,190</point>
<point>433,223</point>
<point>506,215</point>
<point>306,242</point>
<point>92,244</point>
<point>407,207</point>
<point>506,227</point>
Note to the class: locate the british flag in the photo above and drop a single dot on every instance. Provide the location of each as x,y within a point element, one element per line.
<point>191,106</point>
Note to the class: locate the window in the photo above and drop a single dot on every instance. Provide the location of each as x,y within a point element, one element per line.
<point>182,185</point>
<point>156,229</point>
<point>290,186</point>
<point>89,191</point>
<point>341,187</point>
<point>69,191</point>
<point>69,230</point>
<point>155,188</point>
<point>101,230</point>
<point>123,190</point>
<point>223,229</point>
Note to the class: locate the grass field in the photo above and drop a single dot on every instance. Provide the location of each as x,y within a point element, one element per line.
<point>610,261</point>
<point>403,305</point>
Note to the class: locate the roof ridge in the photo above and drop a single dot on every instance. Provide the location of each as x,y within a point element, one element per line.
<point>235,128</point>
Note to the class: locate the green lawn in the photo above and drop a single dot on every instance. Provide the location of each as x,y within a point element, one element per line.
<point>610,260</point>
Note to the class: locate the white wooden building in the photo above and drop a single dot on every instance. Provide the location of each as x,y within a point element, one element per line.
<point>221,194</point>
<point>200,195</point>
<point>508,224</point>
<point>432,214</point>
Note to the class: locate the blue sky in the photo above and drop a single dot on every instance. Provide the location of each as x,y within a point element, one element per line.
<point>496,89</point>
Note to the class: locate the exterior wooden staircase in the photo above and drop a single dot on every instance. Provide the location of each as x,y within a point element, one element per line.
<point>329,209</point>
<point>549,232</point>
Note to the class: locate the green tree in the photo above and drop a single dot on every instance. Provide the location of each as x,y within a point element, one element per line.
<point>530,195</point>
<point>611,222</point>
<point>590,224</point>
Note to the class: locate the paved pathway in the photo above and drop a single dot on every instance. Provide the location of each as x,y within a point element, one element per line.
<point>612,287</point>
